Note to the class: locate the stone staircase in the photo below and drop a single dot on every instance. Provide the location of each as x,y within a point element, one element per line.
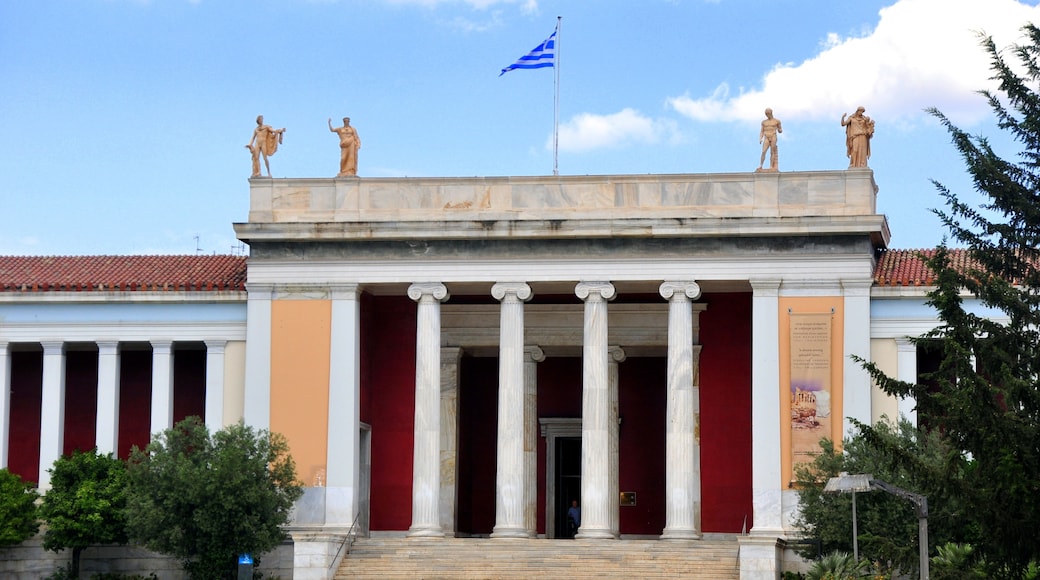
<point>471,558</point>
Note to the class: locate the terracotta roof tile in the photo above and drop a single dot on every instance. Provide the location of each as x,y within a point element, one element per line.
<point>123,273</point>
<point>907,267</point>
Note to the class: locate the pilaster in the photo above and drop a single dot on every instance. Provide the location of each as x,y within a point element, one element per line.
<point>766,488</point>
<point>532,356</point>
<point>52,406</point>
<point>342,458</point>
<point>5,404</point>
<point>906,370</point>
<point>451,356</point>
<point>162,386</point>
<point>215,384</point>
<point>106,432</point>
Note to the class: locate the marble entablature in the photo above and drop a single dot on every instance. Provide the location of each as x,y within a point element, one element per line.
<point>605,197</point>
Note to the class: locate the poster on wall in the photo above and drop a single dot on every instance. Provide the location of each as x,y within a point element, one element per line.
<point>810,387</point>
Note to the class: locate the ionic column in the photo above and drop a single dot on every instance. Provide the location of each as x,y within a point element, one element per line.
<point>450,358</point>
<point>532,356</point>
<point>595,413</point>
<point>215,384</point>
<point>617,355</point>
<point>106,431</point>
<point>52,406</point>
<point>5,403</point>
<point>682,447</point>
<point>426,454</point>
<point>510,478</point>
<point>162,386</point>
<point>906,371</point>
<point>343,433</point>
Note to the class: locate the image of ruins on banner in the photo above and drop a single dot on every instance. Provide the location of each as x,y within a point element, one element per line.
<point>810,388</point>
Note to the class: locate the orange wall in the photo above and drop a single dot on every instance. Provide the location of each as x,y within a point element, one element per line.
<point>813,304</point>
<point>300,381</point>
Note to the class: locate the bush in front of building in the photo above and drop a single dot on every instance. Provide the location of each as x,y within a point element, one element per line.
<point>86,504</point>
<point>206,499</point>
<point>18,512</point>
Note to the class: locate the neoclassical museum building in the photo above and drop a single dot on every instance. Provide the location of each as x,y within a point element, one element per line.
<point>464,357</point>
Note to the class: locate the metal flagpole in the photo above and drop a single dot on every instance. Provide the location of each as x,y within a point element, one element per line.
<point>556,101</point>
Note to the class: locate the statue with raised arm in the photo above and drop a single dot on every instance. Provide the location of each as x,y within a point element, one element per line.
<point>767,137</point>
<point>264,143</point>
<point>349,143</point>
<point>859,129</point>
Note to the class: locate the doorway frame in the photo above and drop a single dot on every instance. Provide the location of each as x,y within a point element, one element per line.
<point>551,429</point>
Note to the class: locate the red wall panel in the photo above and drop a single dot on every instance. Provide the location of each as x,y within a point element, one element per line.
<point>389,346</point>
<point>26,391</point>
<point>81,373</point>
<point>135,399</point>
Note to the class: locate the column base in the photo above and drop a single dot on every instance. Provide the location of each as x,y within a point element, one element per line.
<point>679,534</point>
<point>507,532</point>
<point>425,532</point>
<point>595,534</point>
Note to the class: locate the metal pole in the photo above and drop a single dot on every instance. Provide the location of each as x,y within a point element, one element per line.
<point>556,100</point>
<point>922,538</point>
<point>855,531</point>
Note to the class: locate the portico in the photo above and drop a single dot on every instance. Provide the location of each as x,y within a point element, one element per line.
<point>643,310</point>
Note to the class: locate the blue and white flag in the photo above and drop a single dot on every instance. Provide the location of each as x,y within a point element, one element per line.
<point>542,56</point>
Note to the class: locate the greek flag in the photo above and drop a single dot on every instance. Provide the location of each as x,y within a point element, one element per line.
<point>542,56</point>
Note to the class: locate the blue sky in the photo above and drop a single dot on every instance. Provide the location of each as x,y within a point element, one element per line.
<point>124,121</point>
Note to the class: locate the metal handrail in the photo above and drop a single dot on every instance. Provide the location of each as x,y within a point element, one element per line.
<point>347,543</point>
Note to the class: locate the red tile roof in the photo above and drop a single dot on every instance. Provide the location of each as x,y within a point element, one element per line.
<point>133,273</point>
<point>212,273</point>
<point>907,267</point>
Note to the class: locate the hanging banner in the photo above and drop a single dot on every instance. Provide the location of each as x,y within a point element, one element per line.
<point>810,388</point>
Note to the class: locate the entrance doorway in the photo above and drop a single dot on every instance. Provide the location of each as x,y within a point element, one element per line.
<point>562,471</point>
<point>568,482</point>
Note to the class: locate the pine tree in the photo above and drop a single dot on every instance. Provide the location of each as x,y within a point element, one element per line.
<point>985,398</point>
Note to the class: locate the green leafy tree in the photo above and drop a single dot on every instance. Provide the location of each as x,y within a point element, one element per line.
<point>18,521</point>
<point>985,398</point>
<point>85,505</point>
<point>888,529</point>
<point>206,499</point>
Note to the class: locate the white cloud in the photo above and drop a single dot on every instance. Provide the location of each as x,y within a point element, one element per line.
<point>923,53</point>
<point>588,131</point>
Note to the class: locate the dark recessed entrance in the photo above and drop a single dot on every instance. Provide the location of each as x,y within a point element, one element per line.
<point>568,481</point>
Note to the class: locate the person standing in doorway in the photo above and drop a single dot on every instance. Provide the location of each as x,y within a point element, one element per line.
<point>573,518</point>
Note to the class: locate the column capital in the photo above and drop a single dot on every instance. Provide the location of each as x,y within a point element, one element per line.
<point>107,347</point>
<point>161,346</point>
<point>344,291</point>
<point>261,291</point>
<point>680,290</point>
<point>533,354</point>
<point>436,290</point>
<point>603,290</point>
<point>905,344</point>
<point>52,346</point>
<point>857,287</point>
<point>765,286</point>
<point>616,354</point>
<point>215,346</point>
<point>502,291</point>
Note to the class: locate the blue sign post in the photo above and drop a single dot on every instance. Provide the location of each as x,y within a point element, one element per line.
<point>245,567</point>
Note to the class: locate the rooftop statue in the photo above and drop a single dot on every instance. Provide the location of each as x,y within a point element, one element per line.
<point>767,137</point>
<point>859,129</point>
<point>349,143</point>
<point>265,142</point>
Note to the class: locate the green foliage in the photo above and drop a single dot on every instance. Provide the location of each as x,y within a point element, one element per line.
<point>85,503</point>
<point>888,528</point>
<point>18,511</point>
<point>206,499</point>
<point>837,566</point>
<point>985,398</point>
